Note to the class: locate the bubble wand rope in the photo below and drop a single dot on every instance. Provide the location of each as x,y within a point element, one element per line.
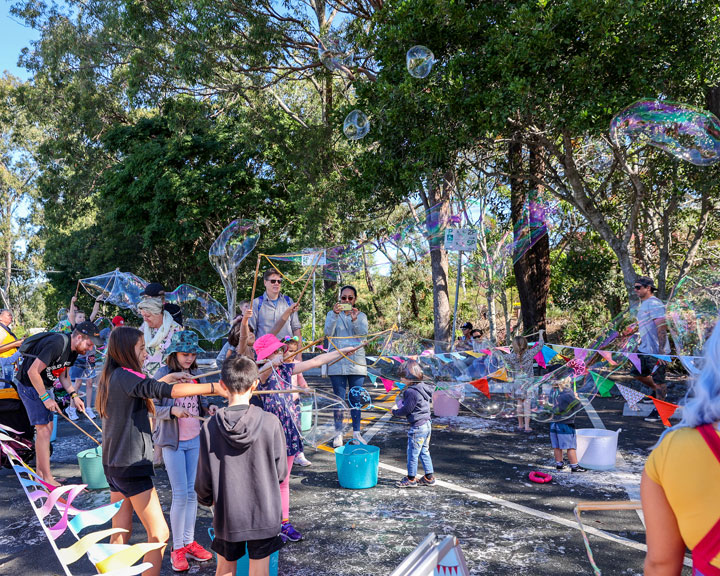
<point>268,258</point>
<point>389,332</point>
<point>257,271</point>
<point>317,260</point>
<point>79,428</point>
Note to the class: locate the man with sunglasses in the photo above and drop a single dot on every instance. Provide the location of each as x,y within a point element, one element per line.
<point>270,307</point>
<point>653,339</point>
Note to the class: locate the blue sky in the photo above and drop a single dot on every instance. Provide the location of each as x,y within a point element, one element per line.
<point>15,36</point>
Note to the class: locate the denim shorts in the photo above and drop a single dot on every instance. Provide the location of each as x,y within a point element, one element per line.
<point>562,436</point>
<point>256,549</point>
<point>36,411</point>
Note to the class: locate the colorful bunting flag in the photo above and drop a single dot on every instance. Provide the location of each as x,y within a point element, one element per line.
<point>665,410</point>
<point>580,354</point>
<point>540,359</point>
<point>373,378</point>
<point>603,384</point>
<point>500,374</point>
<point>548,354</point>
<point>387,383</point>
<point>608,357</point>
<point>400,385</point>
<point>635,359</point>
<point>631,396</point>
<point>482,386</point>
<point>458,355</point>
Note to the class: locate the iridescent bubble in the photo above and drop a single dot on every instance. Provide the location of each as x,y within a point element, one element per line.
<point>334,53</point>
<point>121,289</point>
<point>201,312</point>
<point>62,314</point>
<point>356,125</point>
<point>419,61</point>
<point>692,313</point>
<point>685,132</point>
<point>230,248</point>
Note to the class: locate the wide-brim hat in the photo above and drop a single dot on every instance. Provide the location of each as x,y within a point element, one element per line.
<point>184,341</point>
<point>266,346</point>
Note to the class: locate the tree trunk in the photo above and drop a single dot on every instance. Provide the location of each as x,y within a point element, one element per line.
<point>712,99</point>
<point>532,269</point>
<point>437,203</point>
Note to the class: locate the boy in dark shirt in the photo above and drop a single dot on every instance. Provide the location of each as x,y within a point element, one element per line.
<point>242,451</point>
<point>562,427</point>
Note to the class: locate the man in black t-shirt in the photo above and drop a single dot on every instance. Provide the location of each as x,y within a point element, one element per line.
<point>46,358</point>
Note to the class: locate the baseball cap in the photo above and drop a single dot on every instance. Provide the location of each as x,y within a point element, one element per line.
<point>154,289</point>
<point>89,329</point>
<point>466,326</point>
<point>645,281</point>
<point>118,321</point>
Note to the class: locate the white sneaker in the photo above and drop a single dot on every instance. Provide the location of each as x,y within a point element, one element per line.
<point>300,460</point>
<point>90,413</point>
<point>71,412</point>
<point>358,439</point>
<point>338,441</point>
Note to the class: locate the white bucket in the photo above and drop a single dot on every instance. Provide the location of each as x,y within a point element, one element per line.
<point>597,448</point>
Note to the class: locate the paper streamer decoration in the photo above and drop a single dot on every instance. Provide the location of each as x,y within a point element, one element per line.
<point>500,374</point>
<point>631,396</point>
<point>481,385</point>
<point>94,517</point>
<point>665,410</point>
<point>603,384</point>
<point>373,378</point>
<point>540,359</point>
<point>58,529</point>
<point>127,557</point>
<point>80,548</point>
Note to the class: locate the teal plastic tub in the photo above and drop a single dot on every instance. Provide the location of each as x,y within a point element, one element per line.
<point>91,468</point>
<point>357,466</point>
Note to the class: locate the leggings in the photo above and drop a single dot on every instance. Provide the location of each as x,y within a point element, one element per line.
<point>285,491</point>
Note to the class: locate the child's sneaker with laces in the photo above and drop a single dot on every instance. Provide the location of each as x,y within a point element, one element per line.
<point>425,481</point>
<point>406,483</point>
<point>178,561</point>
<point>288,532</point>
<point>577,468</point>
<point>197,552</point>
<point>300,460</point>
<point>560,466</point>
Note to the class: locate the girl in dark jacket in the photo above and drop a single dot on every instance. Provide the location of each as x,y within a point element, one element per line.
<point>124,401</point>
<point>415,406</point>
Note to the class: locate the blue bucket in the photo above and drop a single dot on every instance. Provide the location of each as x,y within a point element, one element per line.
<point>243,565</point>
<point>53,436</point>
<point>357,466</point>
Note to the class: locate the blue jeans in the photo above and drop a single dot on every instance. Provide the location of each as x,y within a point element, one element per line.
<point>419,445</point>
<point>341,385</point>
<point>181,466</point>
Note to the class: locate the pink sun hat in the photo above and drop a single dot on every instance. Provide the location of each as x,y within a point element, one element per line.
<point>266,346</point>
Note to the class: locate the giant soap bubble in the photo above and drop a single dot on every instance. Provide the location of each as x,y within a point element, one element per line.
<point>692,313</point>
<point>230,248</point>
<point>685,132</point>
<point>121,289</point>
<point>356,125</point>
<point>201,312</point>
<point>419,61</point>
<point>334,53</point>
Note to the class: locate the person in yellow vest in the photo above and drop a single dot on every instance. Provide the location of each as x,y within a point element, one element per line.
<point>7,337</point>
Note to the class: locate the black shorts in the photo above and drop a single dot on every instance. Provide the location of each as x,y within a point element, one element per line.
<point>129,487</point>
<point>256,549</point>
<point>647,365</point>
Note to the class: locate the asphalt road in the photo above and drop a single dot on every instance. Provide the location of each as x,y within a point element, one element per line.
<point>506,525</point>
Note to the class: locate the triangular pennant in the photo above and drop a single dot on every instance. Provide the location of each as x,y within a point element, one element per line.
<point>474,354</point>
<point>400,385</point>
<point>608,356</point>
<point>373,378</point>
<point>603,384</point>
<point>580,354</point>
<point>631,396</point>
<point>665,410</point>
<point>387,383</point>
<point>540,359</point>
<point>665,357</point>
<point>635,359</point>
<point>482,386</point>
<point>398,359</point>
<point>548,353</point>
<point>458,355</point>
<point>500,374</point>
<point>505,349</point>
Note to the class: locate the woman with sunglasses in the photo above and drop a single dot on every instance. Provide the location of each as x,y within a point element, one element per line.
<point>345,325</point>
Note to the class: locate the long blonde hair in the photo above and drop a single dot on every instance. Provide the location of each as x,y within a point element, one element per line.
<point>120,354</point>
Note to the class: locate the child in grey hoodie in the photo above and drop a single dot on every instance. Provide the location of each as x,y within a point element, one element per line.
<point>242,452</point>
<point>415,406</point>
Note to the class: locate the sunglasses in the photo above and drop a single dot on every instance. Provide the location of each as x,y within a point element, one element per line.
<point>638,286</point>
<point>347,298</point>
<point>275,281</point>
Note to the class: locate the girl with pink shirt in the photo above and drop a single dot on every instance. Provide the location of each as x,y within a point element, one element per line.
<point>178,433</point>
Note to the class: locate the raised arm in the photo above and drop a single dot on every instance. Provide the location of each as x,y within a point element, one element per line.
<point>325,358</point>
<point>284,318</point>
